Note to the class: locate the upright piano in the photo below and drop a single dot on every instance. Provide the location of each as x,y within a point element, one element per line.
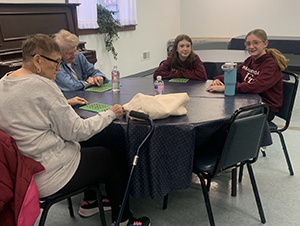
<point>19,20</point>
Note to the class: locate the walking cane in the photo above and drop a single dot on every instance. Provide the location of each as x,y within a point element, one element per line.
<point>145,117</point>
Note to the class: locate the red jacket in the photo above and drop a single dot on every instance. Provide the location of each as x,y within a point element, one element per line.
<point>261,76</point>
<point>165,70</point>
<point>19,198</point>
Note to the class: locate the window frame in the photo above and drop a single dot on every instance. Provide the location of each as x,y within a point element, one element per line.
<point>96,31</point>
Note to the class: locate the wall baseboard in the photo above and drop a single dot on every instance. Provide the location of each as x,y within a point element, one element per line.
<point>143,73</point>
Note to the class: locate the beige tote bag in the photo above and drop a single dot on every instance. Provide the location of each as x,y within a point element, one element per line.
<point>159,106</point>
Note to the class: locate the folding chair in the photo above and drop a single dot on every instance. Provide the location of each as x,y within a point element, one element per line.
<point>289,93</point>
<point>242,146</point>
<point>46,203</point>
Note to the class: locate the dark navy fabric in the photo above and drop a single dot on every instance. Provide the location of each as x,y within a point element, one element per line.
<point>166,159</point>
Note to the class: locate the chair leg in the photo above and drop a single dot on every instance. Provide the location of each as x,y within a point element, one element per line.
<point>233,181</point>
<point>208,184</point>
<point>256,194</point>
<point>241,172</point>
<point>165,202</point>
<point>46,207</point>
<point>70,206</point>
<point>287,158</point>
<point>43,217</point>
<point>100,205</point>
<point>206,199</point>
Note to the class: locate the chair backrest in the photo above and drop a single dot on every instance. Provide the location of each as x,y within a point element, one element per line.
<point>244,136</point>
<point>289,93</point>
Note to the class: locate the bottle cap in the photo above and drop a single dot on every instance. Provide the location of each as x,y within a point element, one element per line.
<point>158,77</point>
<point>228,66</point>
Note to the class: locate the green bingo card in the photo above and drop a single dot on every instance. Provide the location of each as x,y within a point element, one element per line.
<point>96,107</point>
<point>180,80</point>
<point>100,89</point>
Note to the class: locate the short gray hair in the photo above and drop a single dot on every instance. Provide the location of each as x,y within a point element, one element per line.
<point>66,39</point>
<point>38,44</point>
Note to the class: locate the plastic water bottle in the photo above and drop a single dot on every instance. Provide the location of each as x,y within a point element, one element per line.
<point>115,76</point>
<point>159,86</point>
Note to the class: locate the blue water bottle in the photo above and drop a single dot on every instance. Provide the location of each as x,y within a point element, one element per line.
<point>229,69</point>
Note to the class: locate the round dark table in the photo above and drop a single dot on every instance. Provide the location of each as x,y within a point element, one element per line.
<point>165,161</point>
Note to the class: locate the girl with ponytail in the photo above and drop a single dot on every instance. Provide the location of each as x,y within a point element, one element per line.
<point>260,73</point>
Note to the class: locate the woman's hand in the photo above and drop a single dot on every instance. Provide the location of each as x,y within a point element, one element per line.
<point>216,88</point>
<point>98,80</point>
<point>77,100</point>
<point>90,81</point>
<point>118,110</point>
<point>217,82</point>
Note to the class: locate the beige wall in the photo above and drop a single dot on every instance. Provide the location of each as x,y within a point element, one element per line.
<point>159,21</point>
<point>32,1</point>
<point>155,26</point>
<point>229,18</point>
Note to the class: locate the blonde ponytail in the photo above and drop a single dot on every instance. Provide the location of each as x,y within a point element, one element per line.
<point>279,58</point>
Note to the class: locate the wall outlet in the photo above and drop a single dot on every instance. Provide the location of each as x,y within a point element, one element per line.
<point>100,66</point>
<point>145,56</point>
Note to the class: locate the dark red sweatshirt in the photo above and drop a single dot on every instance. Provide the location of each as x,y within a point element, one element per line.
<point>261,76</point>
<point>165,70</point>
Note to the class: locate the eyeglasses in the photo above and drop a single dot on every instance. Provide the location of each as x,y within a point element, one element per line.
<point>254,43</point>
<point>47,58</point>
<point>69,54</point>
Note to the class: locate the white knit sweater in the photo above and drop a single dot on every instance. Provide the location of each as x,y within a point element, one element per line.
<point>46,128</point>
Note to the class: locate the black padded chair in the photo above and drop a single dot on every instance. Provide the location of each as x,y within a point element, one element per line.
<point>241,146</point>
<point>46,203</point>
<point>290,86</point>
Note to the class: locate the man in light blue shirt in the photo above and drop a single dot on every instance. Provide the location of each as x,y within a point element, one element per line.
<point>76,72</point>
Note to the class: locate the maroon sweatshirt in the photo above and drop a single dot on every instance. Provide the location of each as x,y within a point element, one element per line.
<point>165,70</point>
<point>261,76</point>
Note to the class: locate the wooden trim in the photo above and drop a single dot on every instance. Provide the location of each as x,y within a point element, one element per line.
<point>88,31</point>
<point>127,28</point>
<point>95,31</point>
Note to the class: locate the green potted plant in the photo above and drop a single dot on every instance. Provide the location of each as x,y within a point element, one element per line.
<point>109,27</point>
